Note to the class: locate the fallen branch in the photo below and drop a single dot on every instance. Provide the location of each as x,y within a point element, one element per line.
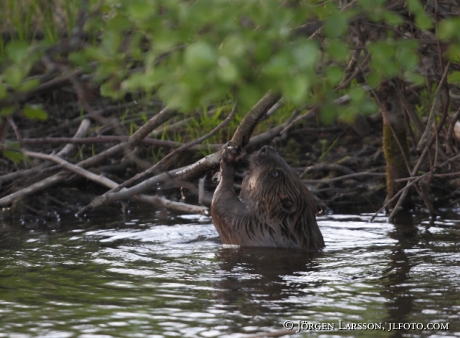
<point>251,119</point>
<point>155,200</point>
<point>81,131</point>
<point>160,118</point>
<point>72,167</point>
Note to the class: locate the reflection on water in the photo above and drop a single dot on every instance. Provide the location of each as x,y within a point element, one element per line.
<point>128,276</point>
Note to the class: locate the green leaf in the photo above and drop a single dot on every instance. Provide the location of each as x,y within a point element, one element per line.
<point>13,155</point>
<point>110,42</point>
<point>453,53</point>
<point>415,78</point>
<point>219,91</point>
<point>381,51</point>
<point>35,112</point>
<point>454,77</point>
<point>408,58</point>
<point>306,54</point>
<point>195,80</point>
<point>392,18</point>
<point>119,23</point>
<point>374,79</point>
<point>3,91</point>
<point>6,111</point>
<point>79,59</point>
<point>338,50</point>
<point>248,95</point>
<point>422,19</point>
<point>278,65</point>
<point>17,50</point>
<point>28,85</point>
<point>334,75</point>
<point>140,10</point>
<point>357,94</point>
<point>368,106</point>
<point>200,56</point>
<point>336,25</point>
<point>234,46</point>
<point>14,74</point>
<point>111,88</point>
<point>328,113</point>
<point>136,81</point>
<point>295,90</point>
<point>95,53</point>
<point>371,4</point>
<point>449,29</point>
<point>178,96</point>
<point>227,71</point>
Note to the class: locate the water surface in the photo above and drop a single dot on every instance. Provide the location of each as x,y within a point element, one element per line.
<point>142,275</point>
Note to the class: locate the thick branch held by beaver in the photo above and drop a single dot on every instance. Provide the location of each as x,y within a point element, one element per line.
<point>274,208</point>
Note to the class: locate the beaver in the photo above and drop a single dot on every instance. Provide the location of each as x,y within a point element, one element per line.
<point>274,208</point>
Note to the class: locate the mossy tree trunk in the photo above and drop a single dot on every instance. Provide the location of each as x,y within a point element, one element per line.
<point>395,143</point>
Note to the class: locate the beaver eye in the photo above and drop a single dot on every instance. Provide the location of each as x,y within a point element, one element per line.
<point>275,173</point>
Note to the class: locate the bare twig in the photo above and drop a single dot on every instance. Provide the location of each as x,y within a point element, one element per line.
<point>429,125</point>
<point>355,73</point>
<point>72,167</point>
<point>244,131</point>
<point>81,131</point>
<point>344,177</point>
<point>329,167</point>
<point>163,116</point>
<point>15,127</point>
<point>433,175</point>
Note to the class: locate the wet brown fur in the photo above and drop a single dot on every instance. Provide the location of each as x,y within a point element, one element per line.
<point>274,208</point>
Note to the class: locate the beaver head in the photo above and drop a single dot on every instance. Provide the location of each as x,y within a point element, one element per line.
<point>273,184</point>
<point>280,200</point>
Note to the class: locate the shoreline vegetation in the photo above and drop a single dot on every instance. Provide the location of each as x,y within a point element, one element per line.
<point>107,102</point>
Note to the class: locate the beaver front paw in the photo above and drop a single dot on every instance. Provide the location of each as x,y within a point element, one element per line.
<point>233,154</point>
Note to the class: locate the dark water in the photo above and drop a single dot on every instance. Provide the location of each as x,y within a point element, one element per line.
<point>142,276</point>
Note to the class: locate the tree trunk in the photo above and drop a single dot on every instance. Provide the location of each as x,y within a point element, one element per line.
<point>395,145</point>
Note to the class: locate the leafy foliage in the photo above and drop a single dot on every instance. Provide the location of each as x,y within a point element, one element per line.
<point>193,54</point>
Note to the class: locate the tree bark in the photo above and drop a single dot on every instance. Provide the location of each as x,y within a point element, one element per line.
<point>395,146</point>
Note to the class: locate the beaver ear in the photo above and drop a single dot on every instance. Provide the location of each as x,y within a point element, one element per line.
<point>288,206</point>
